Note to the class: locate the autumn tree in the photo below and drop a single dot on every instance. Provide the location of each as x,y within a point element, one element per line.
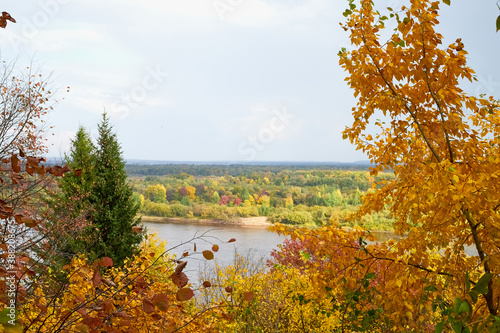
<point>156,193</point>
<point>441,143</point>
<point>115,209</point>
<point>25,100</point>
<point>443,146</point>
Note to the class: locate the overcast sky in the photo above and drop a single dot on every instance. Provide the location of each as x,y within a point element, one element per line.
<point>222,80</point>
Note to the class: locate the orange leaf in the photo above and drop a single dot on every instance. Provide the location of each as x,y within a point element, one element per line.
<point>248,296</point>
<point>184,294</point>
<point>29,221</point>
<point>215,248</point>
<point>137,229</point>
<point>208,254</point>
<point>207,284</point>
<point>82,328</point>
<point>228,289</point>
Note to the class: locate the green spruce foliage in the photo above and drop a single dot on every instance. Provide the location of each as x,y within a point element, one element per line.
<point>68,227</point>
<point>78,183</point>
<point>93,210</point>
<point>115,209</point>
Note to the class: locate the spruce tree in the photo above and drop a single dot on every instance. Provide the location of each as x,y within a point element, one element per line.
<point>66,228</point>
<point>78,183</point>
<point>115,209</point>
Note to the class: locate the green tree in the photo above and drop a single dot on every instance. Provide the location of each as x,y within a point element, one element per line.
<point>68,229</point>
<point>215,197</point>
<point>156,193</point>
<point>114,207</point>
<point>334,199</point>
<point>78,183</point>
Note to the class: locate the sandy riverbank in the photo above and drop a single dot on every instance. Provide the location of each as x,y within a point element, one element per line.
<point>250,222</point>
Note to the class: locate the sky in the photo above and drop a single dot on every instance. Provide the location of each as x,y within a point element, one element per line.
<point>213,80</point>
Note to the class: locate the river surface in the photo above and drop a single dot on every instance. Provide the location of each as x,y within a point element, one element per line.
<point>254,242</point>
<point>251,242</point>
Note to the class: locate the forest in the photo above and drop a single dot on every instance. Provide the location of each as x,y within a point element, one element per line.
<point>306,195</point>
<point>75,258</point>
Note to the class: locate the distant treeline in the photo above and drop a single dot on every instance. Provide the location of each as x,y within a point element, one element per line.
<point>232,169</point>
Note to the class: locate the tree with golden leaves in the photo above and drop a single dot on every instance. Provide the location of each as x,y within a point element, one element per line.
<point>443,146</point>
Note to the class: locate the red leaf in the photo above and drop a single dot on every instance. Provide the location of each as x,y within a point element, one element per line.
<point>207,284</point>
<point>180,266</point>
<point>232,240</point>
<point>161,301</point>
<point>184,294</point>
<point>137,229</point>
<point>148,306</point>
<point>108,305</point>
<point>140,283</point>
<point>228,289</point>
<point>179,279</point>
<point>121,314</point>
<point>96,279</point>
<point>106,262</point>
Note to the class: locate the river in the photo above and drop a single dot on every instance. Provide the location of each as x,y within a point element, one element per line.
<point>254,242</point>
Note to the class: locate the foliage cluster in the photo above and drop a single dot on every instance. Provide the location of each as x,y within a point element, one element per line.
<point>301,197</point>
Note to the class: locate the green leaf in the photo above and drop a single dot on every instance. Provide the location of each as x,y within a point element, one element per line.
<point>473,295</point>
<point>482,285</point>
<point>464,308</point>
<point>456,307</point>
<point>457,327</point>
<point>447,2</point>
<point>406,20</point>
<point>498,23</point>
<point>439,327</point>
<point>347,12</point>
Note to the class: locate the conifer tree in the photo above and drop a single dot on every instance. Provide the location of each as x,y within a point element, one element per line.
<point>114,207</point>
<point>68,226</point>
<point>81,160</point>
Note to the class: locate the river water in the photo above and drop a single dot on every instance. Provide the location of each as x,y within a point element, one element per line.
<point>253,242</point>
